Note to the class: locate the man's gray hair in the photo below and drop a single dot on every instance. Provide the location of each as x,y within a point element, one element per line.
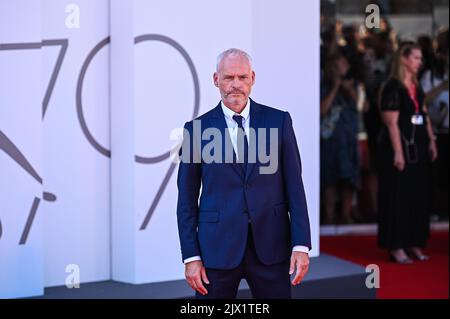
<point>233,52</point>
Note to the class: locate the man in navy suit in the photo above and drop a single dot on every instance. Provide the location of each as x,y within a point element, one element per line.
<point>251,219</point>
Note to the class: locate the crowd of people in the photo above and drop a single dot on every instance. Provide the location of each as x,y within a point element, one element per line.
<point>384,131</point>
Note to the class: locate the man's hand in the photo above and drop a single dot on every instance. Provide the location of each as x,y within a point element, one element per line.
<point>299,262</point>
<point>195,272</point>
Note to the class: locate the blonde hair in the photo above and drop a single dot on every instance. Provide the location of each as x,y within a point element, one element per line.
<point>398,70</point>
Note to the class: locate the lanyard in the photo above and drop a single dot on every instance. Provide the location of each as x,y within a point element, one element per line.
<point>413,95</point>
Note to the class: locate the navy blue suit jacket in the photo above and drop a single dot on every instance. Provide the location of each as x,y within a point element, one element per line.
<point>215,226</point>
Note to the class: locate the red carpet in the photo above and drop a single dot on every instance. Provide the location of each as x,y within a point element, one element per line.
<point>420,280</point>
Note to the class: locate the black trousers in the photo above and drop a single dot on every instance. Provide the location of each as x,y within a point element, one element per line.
<point>265,282</point>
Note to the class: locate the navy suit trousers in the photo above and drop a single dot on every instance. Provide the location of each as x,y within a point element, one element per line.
<point>265,282</point>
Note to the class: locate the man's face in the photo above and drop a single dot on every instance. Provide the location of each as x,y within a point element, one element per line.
<point>234,79</point>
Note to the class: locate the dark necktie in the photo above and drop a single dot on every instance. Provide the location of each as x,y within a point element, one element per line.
<point>241,138</point>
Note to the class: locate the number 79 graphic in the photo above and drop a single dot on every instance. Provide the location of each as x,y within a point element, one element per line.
<point>7,146</point>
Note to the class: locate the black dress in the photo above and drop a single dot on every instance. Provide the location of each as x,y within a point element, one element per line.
<point>403,219</point>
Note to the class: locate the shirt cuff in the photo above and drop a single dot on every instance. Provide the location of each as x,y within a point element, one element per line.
<point>188,260</point>
<point>300,248</point>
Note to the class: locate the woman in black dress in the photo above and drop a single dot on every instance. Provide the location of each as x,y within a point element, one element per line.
<point>407,146</point>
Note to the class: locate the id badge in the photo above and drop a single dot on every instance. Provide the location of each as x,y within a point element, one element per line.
<point>417,119</point>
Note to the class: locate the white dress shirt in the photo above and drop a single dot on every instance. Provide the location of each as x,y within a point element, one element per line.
<point>233,130</point>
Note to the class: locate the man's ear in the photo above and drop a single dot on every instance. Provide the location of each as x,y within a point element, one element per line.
<point>216,79</point>
<point>253,77</point>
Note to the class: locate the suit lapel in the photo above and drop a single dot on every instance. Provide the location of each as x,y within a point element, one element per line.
<point>256,121</point>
